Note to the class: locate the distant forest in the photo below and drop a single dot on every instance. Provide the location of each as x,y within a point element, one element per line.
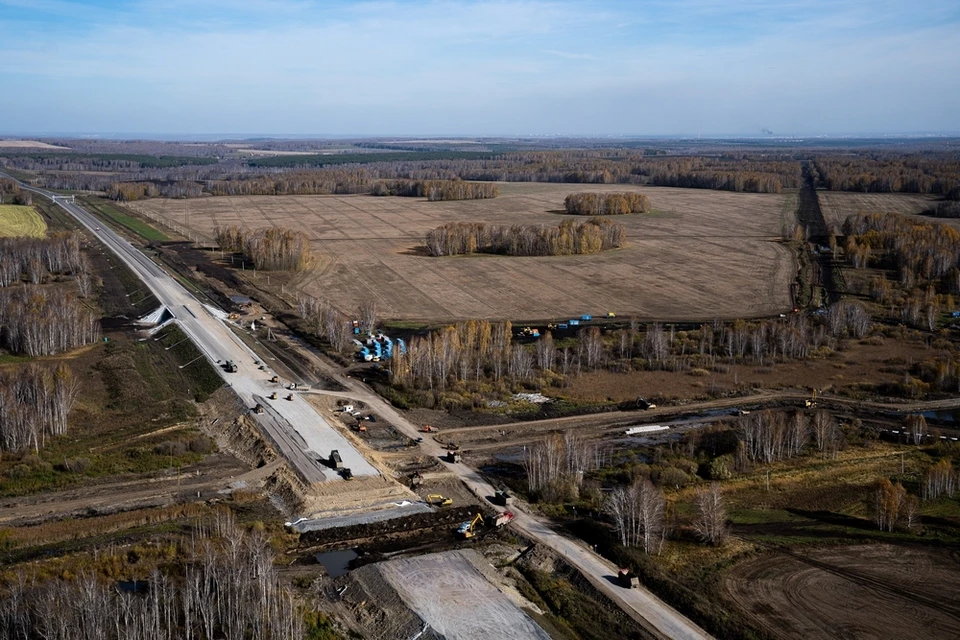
<point>184,171</point>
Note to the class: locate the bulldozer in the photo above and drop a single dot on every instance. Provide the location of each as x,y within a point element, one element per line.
<point>468,529</point>
<point>439,500</point>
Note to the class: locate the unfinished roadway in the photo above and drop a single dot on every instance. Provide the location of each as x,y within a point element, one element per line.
<point>300,434</point>
<point>296,428</point>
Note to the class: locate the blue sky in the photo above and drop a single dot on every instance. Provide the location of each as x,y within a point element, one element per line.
<point>480,68</point>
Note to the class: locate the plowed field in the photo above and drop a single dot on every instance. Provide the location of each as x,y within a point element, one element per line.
<point>873,591</point>
<point>838,206</point>
<point>700,255</point>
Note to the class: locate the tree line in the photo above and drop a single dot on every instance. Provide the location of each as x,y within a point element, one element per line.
<point>34,404</point>
<point>605,204</point>
<point>40,321</point>
<point>470,354</point>
<point>435,190</point>
<point>933,173</point>
<point>555,466</point>
<point>569,238</point>
<point>19,196</point>
<point>764,173</point>
<point>38,258</point>
<point>223,584</point>
<point>270,249</point>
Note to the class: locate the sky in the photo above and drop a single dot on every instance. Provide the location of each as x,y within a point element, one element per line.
<point>480,68</point>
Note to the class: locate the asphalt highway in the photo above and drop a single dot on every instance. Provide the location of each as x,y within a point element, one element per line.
<point>300,434</point>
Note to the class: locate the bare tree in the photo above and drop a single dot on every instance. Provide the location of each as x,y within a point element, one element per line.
<point>639,515</point>
<point>888,501</point>
<point>367,313</point>
<point>711,522</point>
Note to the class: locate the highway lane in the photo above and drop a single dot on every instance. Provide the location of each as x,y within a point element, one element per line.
<point>653,614</point>
<point>294,426</point>
<point>217,342</point>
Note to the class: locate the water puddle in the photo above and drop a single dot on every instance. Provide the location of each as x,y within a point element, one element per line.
<point>337,562</point>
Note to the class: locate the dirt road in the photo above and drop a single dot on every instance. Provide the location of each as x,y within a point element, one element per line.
<point>645,608</point>
<point>206,478</point>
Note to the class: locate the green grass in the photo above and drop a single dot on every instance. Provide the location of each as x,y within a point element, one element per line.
<point>6,358</point>
<point>131,389</point>
<point>124,219</point>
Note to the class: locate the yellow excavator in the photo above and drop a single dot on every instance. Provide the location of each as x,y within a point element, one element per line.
<point>439,500</point>
<point>467,529</point>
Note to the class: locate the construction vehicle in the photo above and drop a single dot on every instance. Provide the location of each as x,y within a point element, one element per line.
<point>428,429</point>
<point>275,379</point>
<point>438,500</point>
<point>346,474</point>
<point>812,402</point>
<point>290,396</point>
<point>611,314</point>
<point>230,366</point>
<point>530,332</point>
<point>335,461</point>
<point>468,529</point>
<point>258,408</point>
<point>454,456</point>
<point>273,396</point>
<point>502,498</point>
<point>415,479</point>
<point>643,404</point>
<point>627,580</point>
<point>503,518</point>
<point>360,427</point>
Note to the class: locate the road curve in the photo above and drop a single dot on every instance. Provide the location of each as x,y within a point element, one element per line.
<point>653,614</point>
<point>298,431</point>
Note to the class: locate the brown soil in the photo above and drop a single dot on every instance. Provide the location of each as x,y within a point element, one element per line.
<point>700,254</point>
<point>837,206</point>
<point>875,591</point>
<point>859,363</point>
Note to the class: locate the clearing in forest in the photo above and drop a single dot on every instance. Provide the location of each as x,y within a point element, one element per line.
<point>17,220</point>
<point>838,206</point>
<point>698,255</point>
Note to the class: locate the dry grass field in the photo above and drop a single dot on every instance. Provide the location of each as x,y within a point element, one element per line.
<point>28,144</point>
<point>17,220</point>
<point>699,255</point>
<point>837,206</point>
<point>870,591</point>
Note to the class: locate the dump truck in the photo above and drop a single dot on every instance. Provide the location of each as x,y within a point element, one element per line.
<point>428,429</point>
<point>335,461</point>
<point>289,396</point>
<point>438,500</point>
<point>468,529</point>
<point>454,456</point>
<point>627,580</point>
<point>503,518</point>
<point>258,408</point>
<point>502,498</point>
<point>272,396</point>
